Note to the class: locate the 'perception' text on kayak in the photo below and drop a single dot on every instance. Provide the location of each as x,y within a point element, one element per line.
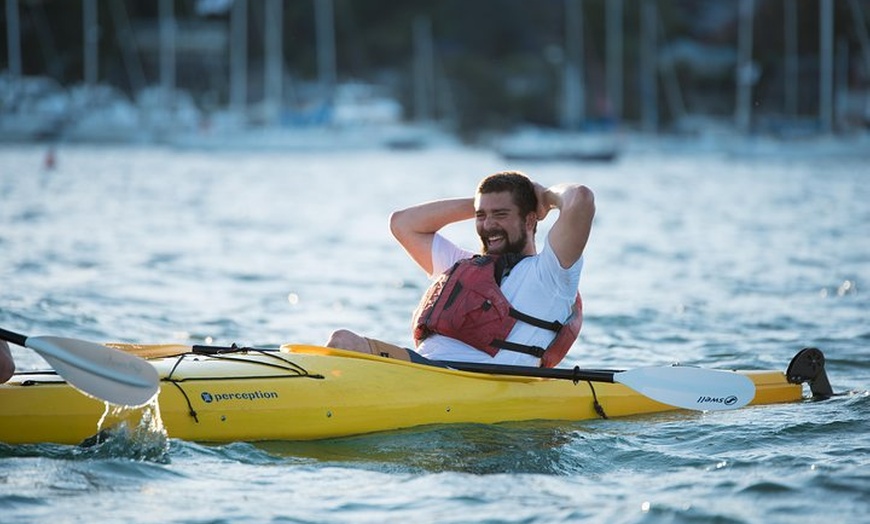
<point>248,395</point>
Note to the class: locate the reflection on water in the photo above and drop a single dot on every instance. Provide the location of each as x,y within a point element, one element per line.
<point>701,259</point>
<point>478,449</point>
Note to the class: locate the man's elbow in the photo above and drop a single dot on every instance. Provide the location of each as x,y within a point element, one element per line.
<point>399,224</point>
<point>580,202</point>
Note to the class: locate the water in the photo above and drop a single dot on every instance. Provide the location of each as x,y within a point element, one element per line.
<point>695,258</point>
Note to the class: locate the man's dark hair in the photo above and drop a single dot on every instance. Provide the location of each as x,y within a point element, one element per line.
<point>517,184</point>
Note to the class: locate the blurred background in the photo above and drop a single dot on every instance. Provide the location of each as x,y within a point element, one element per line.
<point>579,79</point>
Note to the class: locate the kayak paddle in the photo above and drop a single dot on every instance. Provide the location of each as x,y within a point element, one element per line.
<point>681,386</point>
<point>94,369</point>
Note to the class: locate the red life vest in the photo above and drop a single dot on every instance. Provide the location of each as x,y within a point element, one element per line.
<point>466,303</point>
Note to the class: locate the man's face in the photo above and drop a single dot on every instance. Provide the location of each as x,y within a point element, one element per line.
<point>499,224</point>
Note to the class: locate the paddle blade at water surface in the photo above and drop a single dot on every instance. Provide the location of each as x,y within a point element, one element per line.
<point>690,388</point>
<point>99,371</point>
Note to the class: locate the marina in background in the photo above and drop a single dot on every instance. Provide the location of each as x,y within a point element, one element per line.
<point>621,76</point>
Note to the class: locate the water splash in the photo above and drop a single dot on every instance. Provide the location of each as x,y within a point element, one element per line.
<point>133,433</point>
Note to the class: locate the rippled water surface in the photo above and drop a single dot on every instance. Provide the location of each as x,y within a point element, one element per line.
<point>700,259</point>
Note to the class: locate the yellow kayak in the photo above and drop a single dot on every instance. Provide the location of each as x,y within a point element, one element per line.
<point>309,392</point>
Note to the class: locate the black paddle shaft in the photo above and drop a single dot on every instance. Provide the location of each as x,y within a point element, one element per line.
<point>15,338</point>
<point>576,374</point>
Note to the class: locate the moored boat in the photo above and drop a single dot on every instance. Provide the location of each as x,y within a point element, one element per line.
<point>309,392</point>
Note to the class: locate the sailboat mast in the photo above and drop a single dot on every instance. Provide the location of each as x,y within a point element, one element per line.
<point>649,93</point>
<point>13,38</point>
<point>613,23</point>
<point>745,71</point>
<point>791,59</point>
<point>166,10</point>
<point>274,38</point>
<point>573,110</point>
<point>92,35</point>
<point>326,67</point>
<point>424,66</point>
<point>826,65</point>
<point>239,56</point>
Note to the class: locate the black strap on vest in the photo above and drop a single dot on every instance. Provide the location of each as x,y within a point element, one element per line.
<point>535,351</point>
<point>554,325</point>
<point>503,266</point>
<point>501,269</point>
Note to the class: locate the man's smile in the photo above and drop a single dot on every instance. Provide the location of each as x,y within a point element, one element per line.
<point>495,239</point>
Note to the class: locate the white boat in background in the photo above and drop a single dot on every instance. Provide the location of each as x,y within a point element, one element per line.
<point>167,113</point>
<point>215,134</point>
<point>360,117</point>
<point>102,114</point>
<point>218,133</point>
<point>31,108</point>
<point>539,144</point>
<point>578,137</point>
<point>34,109</point>
<point>366,106</point>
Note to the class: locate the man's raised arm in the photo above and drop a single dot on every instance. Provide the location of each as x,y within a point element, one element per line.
<point>415,227</point>
<point>570,232</point>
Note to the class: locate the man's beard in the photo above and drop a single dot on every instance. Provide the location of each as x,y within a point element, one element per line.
<point>517,246</point>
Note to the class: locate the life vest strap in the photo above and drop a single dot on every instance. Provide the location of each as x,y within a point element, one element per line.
<point>535,351</point>
<point>553,326</point>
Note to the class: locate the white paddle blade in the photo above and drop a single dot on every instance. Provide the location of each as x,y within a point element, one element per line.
<point>99,371</point>
<point>690,388</point>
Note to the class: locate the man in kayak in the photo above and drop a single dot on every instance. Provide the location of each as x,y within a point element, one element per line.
<point>7,365</point>
<point>540,288</point>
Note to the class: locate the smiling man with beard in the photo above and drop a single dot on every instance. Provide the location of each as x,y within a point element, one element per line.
<point>508,305</point>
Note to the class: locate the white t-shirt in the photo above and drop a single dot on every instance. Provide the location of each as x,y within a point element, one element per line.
<point>538,286</point>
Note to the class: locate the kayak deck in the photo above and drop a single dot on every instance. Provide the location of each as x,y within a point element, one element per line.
<point>310,392</point>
